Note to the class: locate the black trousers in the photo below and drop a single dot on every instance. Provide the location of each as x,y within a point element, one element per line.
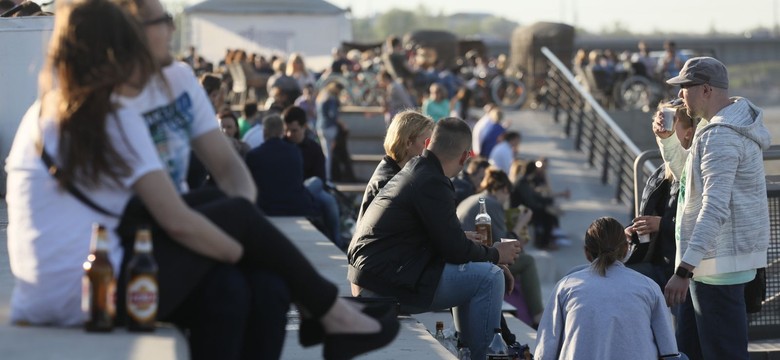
<point>266,251</point>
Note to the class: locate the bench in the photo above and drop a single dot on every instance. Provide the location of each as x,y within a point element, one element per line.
<point>415,336</point>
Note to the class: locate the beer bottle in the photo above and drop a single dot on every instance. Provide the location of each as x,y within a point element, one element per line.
<point>497,350</point>
<point>142,291</point>
<point>439,331</point>
<point>98,286</point>
<point>483,224</point>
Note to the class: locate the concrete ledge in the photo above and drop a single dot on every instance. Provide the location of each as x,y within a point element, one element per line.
<point>353,188</point>
<point>38,343</point>
<point>367,157</point>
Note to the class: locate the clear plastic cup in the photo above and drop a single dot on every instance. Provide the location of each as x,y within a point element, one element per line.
<point>669,118</point>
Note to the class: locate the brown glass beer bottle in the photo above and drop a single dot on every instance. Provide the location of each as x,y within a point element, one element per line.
<point>98,286</point>
<point>142,291</point>
<point>483,224</point>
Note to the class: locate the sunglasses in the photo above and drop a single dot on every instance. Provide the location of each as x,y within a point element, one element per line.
<point>164,19</point>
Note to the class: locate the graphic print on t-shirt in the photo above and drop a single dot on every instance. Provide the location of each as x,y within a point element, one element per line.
<point>170,126</point>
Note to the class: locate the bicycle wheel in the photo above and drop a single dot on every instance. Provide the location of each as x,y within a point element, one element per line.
<point>636,93</point>
<point>346,97</point>
<point>508,92</point>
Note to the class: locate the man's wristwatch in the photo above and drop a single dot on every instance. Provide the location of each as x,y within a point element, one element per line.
<point>683,272</point>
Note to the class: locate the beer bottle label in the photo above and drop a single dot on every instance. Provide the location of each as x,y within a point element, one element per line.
<point>142,298</point>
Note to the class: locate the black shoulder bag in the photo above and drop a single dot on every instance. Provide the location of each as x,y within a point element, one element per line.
<point>179,269</point>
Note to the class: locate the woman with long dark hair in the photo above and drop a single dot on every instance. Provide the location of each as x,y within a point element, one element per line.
<point>210,248</point>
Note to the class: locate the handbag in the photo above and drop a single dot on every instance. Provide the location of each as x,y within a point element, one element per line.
<point>755,292</point>
<point>179,268</point>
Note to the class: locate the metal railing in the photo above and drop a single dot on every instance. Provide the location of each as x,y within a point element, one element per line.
<point>594,132</point>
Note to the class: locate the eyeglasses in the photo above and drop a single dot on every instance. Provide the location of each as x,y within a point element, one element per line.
<point>166,19</point>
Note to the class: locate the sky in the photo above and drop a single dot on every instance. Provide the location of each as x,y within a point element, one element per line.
<point>694,16</point>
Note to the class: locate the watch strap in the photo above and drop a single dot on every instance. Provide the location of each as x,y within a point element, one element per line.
<point>683,272</point>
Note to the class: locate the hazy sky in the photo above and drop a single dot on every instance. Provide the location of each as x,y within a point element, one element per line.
<point>638,16</point>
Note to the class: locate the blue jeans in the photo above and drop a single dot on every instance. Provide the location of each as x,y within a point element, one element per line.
<point>329,206</point>
<point>476,291</point>
<point>712,323</point>
<point>327,138</point>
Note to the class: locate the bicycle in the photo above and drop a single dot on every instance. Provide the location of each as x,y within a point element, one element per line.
<point>360,88</point>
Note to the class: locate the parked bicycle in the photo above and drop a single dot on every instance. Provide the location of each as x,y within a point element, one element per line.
<point>360,88</point>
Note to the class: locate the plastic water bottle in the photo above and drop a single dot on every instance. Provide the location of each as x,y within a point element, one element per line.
<point>497,350</point>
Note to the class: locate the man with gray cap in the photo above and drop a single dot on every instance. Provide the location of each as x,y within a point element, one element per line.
<point>722,224</point>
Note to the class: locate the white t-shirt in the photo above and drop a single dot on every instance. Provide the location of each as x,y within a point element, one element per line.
<point>49,229</point>
<point>254,136</point>
<point>476,135</point>
<point>502,156</point>
<point>176,113</point>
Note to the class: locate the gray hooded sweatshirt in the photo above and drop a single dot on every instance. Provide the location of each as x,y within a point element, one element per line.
<point>723,219</point>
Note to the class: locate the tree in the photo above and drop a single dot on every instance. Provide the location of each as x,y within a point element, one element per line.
<point>363,30</point>
<point>498,27</point>
<point>395,22</point>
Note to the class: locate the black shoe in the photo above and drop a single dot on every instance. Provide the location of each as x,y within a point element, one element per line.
<point>347,346</point>
<point>311,332</point>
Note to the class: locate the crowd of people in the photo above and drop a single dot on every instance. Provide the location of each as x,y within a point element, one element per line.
<point>603,71</point>
<point>151,140</point>
<point>700,239</point>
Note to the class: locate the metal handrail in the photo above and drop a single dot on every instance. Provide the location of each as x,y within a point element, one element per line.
<point>596,133</point>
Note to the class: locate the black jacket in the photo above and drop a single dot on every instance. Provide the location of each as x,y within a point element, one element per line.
<point>385,171</point>
<point>407,234</point>
<point>659,198</point>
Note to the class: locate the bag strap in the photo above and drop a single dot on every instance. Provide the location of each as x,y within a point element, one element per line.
<point>54,171</point>
<point>52,167</point>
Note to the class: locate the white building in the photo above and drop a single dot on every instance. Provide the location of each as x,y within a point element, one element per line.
<point>310,27</point>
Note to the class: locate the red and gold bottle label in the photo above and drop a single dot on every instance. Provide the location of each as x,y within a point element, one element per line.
<point>142,298</point>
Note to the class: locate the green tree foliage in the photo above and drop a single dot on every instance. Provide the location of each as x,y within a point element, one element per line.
<point>399,22</point>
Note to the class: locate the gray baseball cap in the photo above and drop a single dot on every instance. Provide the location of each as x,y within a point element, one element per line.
<point>702,70</point>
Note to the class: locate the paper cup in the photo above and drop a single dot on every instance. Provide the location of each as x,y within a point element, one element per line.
<point>669,118</point>
<point>643,239</point>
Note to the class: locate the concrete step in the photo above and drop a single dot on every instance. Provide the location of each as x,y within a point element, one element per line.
<point>37,343</point>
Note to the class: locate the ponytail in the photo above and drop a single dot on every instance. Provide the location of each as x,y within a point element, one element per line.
<point>605,241</point>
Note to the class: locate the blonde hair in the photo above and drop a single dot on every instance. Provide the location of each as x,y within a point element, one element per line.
<point>517,169</point>
<point>290,70</point>
<point>405,126</point>
<point>495,179</point>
